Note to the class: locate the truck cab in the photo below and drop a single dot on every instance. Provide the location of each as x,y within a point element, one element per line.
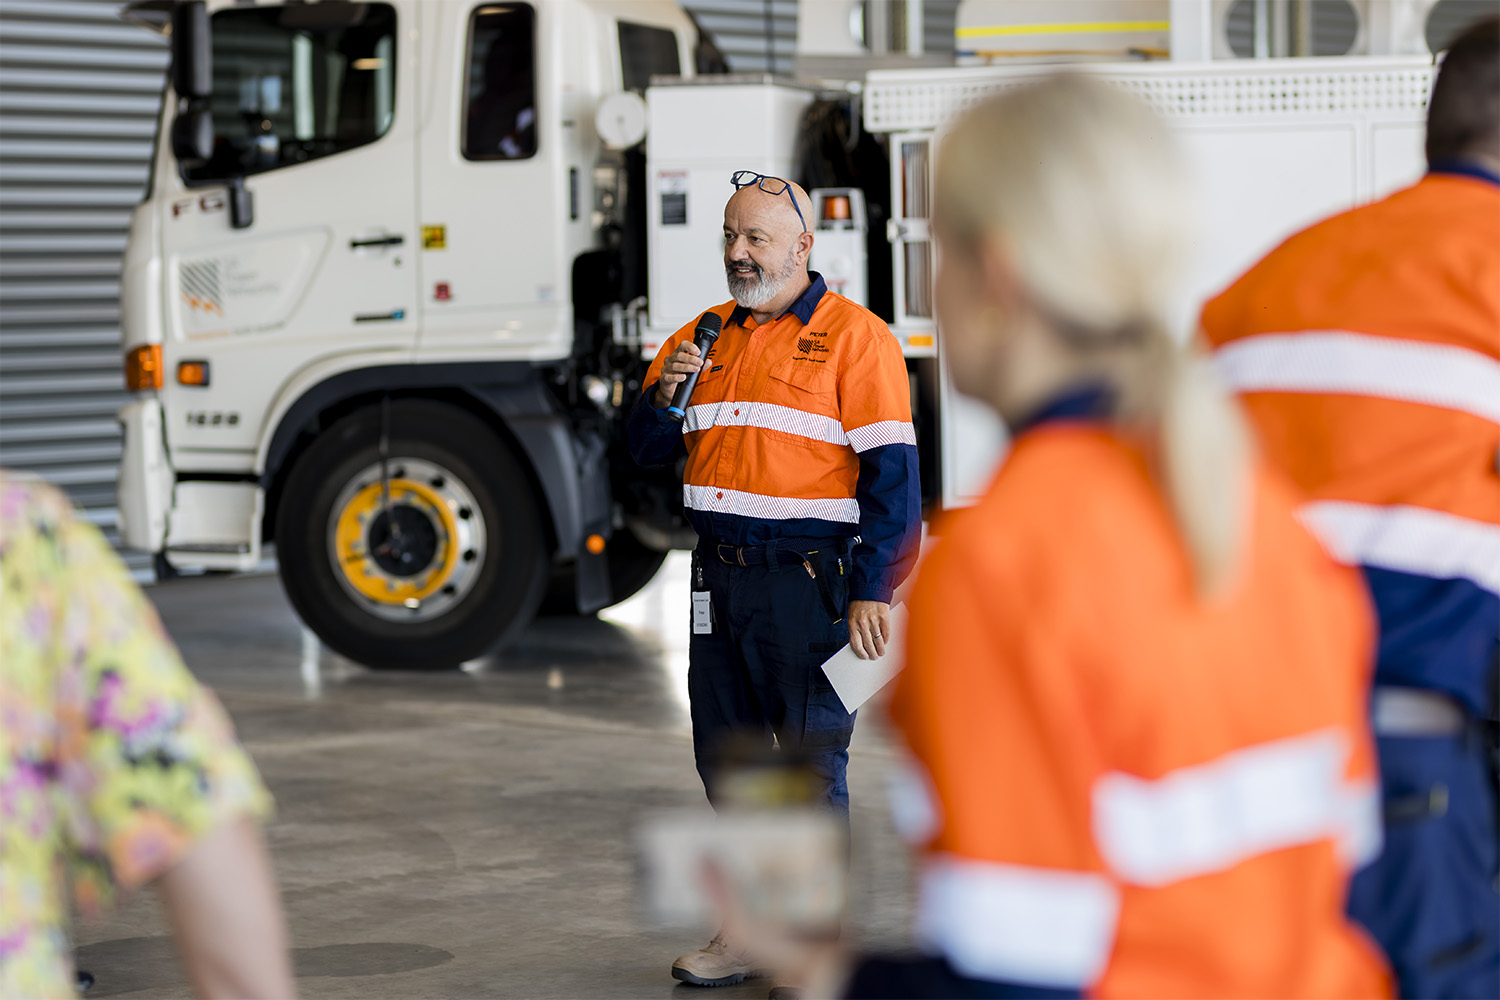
<point>365,311</point>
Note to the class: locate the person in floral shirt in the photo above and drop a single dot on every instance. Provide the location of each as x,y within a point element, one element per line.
<point>116,770</point>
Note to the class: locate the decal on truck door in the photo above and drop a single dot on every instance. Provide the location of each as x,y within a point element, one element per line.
<point>252,289</point>
<point>201,288</point>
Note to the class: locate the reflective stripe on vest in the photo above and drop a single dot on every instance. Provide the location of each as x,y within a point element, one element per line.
<point>1211,817</point>
<point>714,500</point>
<point>767,416</point>
<point>1017,923</point>
<point>770,416</point>
<point>883,432</point>
<point>1356,364</point>
<point>1406,539</point>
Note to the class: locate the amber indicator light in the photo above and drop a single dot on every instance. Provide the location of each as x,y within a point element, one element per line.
<point>192,373</point>
<point>836,208</point>
<point>595,544</point>
<point>143,368</point>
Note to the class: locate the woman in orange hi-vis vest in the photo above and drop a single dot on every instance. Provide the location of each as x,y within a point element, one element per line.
<point>1135,685</point>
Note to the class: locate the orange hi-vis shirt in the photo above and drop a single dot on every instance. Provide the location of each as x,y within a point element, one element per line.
<point>1120,790</point>
<point>800,427</point>
<point>1367,352</point>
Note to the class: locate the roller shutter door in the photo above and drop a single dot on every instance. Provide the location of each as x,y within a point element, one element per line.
<point>79,92</point>
<point>939,21</point>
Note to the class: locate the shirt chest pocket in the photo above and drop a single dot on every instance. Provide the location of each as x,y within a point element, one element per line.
<point>806,379</point>
<point>712,384</point>
<point>804,401</point>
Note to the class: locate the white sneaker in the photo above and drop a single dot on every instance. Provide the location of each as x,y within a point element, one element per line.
<point>716,964</point>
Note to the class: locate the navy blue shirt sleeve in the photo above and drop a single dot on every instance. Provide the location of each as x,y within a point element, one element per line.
<point>889,493</point>
<point>654,438</point>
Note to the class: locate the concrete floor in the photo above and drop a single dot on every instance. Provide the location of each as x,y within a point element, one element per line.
<point>468,834</point>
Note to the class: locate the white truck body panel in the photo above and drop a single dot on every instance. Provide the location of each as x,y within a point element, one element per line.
<point>697,137</point>
<point>145,485</point>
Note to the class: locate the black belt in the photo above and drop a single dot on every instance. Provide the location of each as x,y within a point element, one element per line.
<point>788,549</point>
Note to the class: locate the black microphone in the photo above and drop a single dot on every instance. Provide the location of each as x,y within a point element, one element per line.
<point>703,339</point>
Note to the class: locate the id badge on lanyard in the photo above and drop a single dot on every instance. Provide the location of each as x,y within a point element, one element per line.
<point>703,613</point>
<point>703,605</point>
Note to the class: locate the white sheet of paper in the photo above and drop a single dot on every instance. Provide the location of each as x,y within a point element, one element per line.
<point>855,680</point>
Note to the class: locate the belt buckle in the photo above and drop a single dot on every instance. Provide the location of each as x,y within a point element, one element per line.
<point>719,551</point>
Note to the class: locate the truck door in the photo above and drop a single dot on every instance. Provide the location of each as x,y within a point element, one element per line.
<point>493,216</point>
<point>313,111</point>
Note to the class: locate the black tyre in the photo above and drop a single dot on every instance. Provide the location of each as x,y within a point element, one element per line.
<point>444,564</point>
<point>631,567</point>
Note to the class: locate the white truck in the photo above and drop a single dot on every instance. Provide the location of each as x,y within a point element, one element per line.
<point>401,264</point>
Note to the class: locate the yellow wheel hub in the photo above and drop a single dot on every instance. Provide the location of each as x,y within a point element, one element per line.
<point>369,558</point>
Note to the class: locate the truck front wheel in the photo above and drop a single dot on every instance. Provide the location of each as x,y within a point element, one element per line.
<point>436,560</point>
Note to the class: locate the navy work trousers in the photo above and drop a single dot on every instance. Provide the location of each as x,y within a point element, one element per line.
<point>758,674</point>
<point>1431,898</point>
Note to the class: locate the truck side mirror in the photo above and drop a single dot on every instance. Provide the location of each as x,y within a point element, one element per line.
<point>193,136</point>
<point>192,52</point>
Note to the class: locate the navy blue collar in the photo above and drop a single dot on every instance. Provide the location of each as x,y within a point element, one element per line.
<point>802,308</point>
<point>1088,401</point>
<point>1464,168</point>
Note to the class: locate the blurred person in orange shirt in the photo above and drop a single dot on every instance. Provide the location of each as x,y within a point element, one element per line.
<point>116,770</point>
<point>1367,350</point>
<point>1135,688</point>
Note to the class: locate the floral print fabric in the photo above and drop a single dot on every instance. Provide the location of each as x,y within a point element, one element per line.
<point>113,760</point>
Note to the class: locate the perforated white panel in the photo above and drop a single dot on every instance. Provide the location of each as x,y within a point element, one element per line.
<point>905,100</point>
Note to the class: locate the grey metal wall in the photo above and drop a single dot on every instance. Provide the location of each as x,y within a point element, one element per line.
<point>79,91</point>
<point>741,28</point>
<point>939,20</point>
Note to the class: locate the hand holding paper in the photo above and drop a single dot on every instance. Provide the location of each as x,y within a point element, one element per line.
<point>856,680</point>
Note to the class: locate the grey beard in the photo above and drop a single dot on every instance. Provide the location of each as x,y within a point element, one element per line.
<point>752,291</point>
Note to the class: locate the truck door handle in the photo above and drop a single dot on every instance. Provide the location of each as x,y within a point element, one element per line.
<point>394,314</point>
<point>377,241</point>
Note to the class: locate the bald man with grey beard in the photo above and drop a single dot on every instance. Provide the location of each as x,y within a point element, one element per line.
<point>801,482</point>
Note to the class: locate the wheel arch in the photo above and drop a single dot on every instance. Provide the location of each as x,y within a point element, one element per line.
<point>508,397</point>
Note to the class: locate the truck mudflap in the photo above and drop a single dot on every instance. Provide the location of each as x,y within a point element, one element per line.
<point>144,491</point>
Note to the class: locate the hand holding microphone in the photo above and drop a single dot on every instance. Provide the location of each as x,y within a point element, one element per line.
<point>685,364</point>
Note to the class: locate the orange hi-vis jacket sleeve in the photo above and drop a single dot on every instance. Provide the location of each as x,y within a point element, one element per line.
<point>1115,788</point>
<point>1367,352</point>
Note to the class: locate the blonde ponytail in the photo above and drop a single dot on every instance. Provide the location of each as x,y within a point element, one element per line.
<point>1084,187</point>
<point>1205,469</point>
